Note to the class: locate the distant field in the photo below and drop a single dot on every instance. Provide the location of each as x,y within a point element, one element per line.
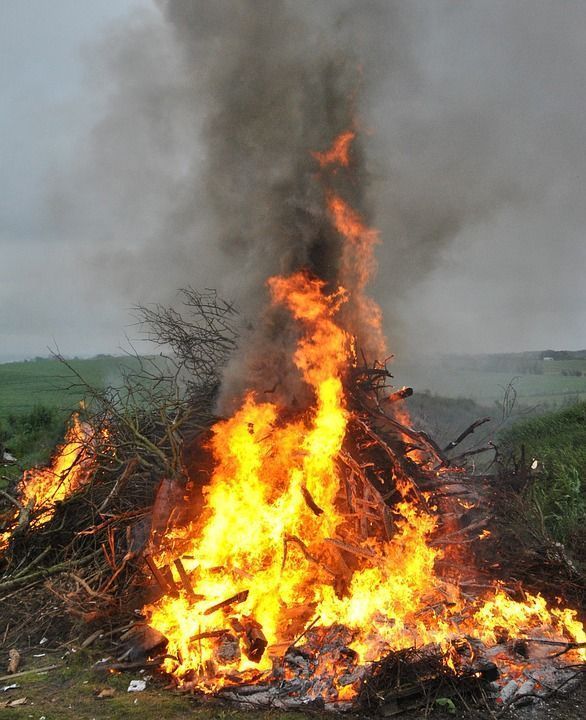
<point>25,385</point>
<point>549,388</point>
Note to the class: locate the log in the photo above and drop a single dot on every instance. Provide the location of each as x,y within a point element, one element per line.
<point>401,394</point>
<point>254,639</point>
<point>157,574</point>
<point>233,600</point>
<point>255,642</point>
<point>185,581</point>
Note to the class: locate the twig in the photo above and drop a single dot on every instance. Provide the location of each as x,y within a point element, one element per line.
<point>36,671</point>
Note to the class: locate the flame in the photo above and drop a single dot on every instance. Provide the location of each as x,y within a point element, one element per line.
<point>339,153</point>
<point>268,548</point>
<point>70,469</point>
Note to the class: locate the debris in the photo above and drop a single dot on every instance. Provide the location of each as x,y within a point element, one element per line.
<point>109,692</point>
<point>13,660</point>
<point>6,688</point>
<point>137,686</point>
<point>32,671</point>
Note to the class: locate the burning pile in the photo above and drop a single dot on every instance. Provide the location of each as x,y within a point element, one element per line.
<point>315,538</point>
<point>40,490</point>
<point>332,538</point>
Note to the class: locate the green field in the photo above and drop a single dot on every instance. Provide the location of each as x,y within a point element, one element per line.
<point>550,388</point>
<point>48,382</point>
<point>37,397</point>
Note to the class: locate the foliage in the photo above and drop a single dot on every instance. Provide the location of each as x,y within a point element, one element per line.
<point>31,436</point>
<point>553,450</point>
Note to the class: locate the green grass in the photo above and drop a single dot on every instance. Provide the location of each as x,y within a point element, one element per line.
<point>557,441</point>
<point>38,396</point>
<point>48,382</point>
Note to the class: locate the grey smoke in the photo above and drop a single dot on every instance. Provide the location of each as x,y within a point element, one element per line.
<point>199,171</point>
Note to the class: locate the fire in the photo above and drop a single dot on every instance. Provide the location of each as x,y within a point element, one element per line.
<point>257,502</point>
<point>339,153</point>
<point>273,552</point>
<point>70,469</point>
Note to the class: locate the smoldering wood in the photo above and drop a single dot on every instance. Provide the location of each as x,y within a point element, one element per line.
<point>139,642</point>
<point>401,394</point>
<point>160,579</point>
<point>255,641</point>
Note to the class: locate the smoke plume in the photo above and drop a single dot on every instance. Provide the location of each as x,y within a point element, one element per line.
<point>200,171</point>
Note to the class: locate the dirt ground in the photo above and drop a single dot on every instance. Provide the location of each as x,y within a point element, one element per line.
<point>73,689</point>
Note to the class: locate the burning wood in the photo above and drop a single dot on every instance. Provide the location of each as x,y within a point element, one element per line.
<point>333,509</point>
<point>185,581</point>
<point>401,394</point>
<point>233,600</point>
<point>352,549</point>
<point>255,641</point>
<point>162,579</point>
<point>311,504</point>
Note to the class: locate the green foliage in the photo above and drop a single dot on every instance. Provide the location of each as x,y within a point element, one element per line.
<point>557,442</point>
<point>446,704</point>
<point>31,436</point>
<point>546,384</point>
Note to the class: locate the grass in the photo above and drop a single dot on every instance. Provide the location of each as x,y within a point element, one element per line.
<point>551,389</point>
<point>70,693</point>
<point>38,396</point>
<point>557,441</point>
<point>48,382</point>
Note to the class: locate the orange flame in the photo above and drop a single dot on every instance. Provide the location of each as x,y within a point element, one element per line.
<point>338,153</point>
<point>275,516</point>
<point>70,469</point>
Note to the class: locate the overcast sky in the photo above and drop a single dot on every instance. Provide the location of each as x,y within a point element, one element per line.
<point>482,133</point>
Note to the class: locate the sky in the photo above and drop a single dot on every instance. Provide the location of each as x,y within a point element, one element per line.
<point>473,116</point>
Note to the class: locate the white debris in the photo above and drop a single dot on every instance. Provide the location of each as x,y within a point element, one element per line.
<point>6,688</point>
<point>137,686</point>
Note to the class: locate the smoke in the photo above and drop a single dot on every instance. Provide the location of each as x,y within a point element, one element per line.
<point>281,80</point>
<point>200,170</point>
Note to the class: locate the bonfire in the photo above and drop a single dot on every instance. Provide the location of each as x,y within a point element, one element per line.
<point>317,550</point>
